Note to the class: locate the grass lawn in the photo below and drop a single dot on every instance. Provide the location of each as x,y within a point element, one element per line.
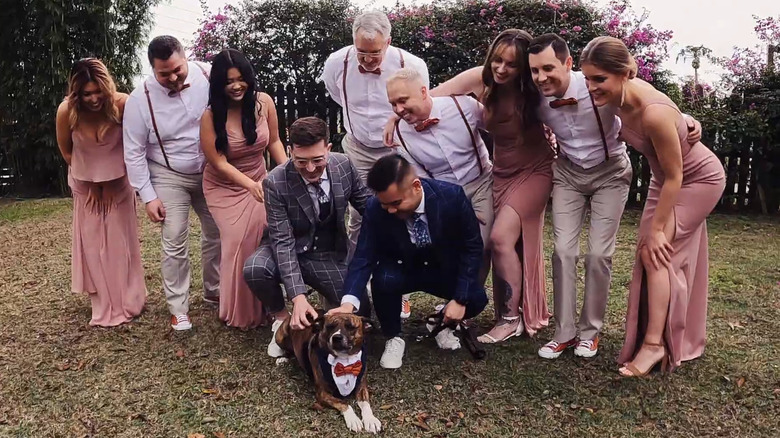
<point>61,378</point>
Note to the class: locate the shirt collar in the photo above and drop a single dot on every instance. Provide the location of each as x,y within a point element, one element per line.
<point>421,208</point>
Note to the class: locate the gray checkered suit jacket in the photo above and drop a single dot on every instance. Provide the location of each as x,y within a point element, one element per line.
<point>291,215</point>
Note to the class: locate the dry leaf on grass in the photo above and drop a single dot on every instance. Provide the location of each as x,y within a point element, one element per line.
<point>219,435</point>
<point>740,382</point>
<point>210,391</point>
<point>438,387</point>
<point>179,353</point>
<point>207,420</point>
<point>385,407</point>
<point>196,435</point>
<point>735,325</point>
<point>63,366</point>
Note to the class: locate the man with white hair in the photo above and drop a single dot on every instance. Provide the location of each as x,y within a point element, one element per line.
<point>355,77</point>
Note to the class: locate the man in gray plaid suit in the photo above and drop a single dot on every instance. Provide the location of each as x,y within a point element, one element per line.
<point>306,245</point>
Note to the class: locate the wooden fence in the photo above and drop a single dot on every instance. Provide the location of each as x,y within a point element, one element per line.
<point>743,193</point>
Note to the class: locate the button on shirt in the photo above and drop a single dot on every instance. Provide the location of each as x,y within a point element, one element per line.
<point>178,121</point>
<point>576,128</point>
<point>315,199</point>
<point>410,222</point>
<point>445,149</point>
<point>366,92</point>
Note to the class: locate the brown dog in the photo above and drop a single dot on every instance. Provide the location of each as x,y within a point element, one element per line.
<point>331,351</point>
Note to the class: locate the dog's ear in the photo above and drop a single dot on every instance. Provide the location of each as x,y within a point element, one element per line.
<point>316,325</point>
<point>368,323</point>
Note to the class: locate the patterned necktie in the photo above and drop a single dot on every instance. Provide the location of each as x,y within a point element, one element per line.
<point>364,71</point>
<point>323,200</point>
<point>557,103</point>
<point>172,93</point>
<point>420,230</point>
<point>426,124</point>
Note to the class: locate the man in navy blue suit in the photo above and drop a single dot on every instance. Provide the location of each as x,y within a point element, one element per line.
<point>417,235</point>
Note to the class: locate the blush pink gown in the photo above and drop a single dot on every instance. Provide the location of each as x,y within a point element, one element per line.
<point>106,252</point>
<point>522,180</point>
<point>241,221</point>
<point>702,186</point>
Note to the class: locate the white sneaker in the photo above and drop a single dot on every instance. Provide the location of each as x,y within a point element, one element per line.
<point>394,353</point>
<point>181,322</point>
<point>274,350</point>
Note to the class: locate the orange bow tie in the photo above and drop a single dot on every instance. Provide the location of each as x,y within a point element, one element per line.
<point>362,70</point>
<point>426,124</point>
<point>557,103</point>
<point>173,93</point>
<point>353,369</point>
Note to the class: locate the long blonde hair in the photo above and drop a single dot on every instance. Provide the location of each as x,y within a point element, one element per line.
<point>92,70</point>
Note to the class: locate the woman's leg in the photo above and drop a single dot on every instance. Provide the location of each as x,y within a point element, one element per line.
<point>505,234</point>
<point>658,294</point>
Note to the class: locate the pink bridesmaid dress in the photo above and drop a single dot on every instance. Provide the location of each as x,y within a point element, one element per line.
<point>703,182</point>
<point>106,252</point>
<point>241,221</point>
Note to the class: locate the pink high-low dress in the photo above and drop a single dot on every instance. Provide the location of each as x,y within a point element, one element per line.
<point>703,182</point>
<point>241,220</point>
<point>106,252</point>
<point>522,180</point>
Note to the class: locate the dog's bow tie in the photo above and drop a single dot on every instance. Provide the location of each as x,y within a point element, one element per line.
<point>364,71</point>
<point>426,124</point>
<point>557,103</point>
<point>354,369</point>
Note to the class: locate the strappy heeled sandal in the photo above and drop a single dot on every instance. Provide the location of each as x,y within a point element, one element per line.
<point>635,372</point>
<point>488,339</point>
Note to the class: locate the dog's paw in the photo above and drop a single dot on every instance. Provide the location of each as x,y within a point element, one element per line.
<point>282,360</point>
<point>371,424</point>
<point>353,421</point>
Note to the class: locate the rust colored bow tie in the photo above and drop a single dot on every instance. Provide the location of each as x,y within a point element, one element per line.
<point>557,103</point>
<point>426,124</point>
<point>353,369</point>
<point>364,71</point>
<point>173,93</point>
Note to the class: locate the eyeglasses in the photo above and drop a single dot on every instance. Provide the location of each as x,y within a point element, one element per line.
<point>369,54</point>
<point>304,162</point>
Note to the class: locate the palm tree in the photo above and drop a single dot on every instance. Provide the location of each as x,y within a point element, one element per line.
<point>694,53</point>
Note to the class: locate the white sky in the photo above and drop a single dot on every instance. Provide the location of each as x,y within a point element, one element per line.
<point>717,24</point>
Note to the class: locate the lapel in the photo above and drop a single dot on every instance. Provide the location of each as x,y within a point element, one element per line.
<point>432,212</point>
<point>299,192</point>
<point>337,190</point>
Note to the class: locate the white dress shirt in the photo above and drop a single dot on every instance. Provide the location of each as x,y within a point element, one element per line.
<point>445,149</point>
<point>366,92</point>
<point>576,128</point>
<point>410,222</point>
<point>312,189</point>
<point>178,122</point>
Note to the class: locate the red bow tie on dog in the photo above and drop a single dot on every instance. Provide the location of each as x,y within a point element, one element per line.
<point>426,124</point>
<point>557,103</point>
<point>354,369</point>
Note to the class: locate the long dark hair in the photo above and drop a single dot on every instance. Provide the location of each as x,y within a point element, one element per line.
<point>218,100</point>
<point>529,95</point>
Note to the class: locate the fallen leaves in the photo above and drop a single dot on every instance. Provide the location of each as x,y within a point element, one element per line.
<point>207,420</point>
<point>740,382</point>
<point>735,325</point>
<point>196,435</point>
<point>180,353</point>
<point>421,421</point>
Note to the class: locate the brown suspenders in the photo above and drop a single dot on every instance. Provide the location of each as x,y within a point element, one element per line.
<point>154,120</point>
<point>601,127</point>
<point>344,83</point>
<point>601,130</point>
<point>471,135</point>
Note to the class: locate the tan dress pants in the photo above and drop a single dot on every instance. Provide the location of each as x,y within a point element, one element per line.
<point>178,192</point>
<point>604,188</point>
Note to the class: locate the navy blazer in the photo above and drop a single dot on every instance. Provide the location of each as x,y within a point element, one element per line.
<point>454,230</point>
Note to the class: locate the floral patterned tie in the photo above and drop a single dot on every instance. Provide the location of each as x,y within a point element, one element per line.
<point>420,230</point>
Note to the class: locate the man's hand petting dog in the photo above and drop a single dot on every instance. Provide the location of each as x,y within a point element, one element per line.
<point>301,309</point>
<point>454,312</point>
<point>344,308</point>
